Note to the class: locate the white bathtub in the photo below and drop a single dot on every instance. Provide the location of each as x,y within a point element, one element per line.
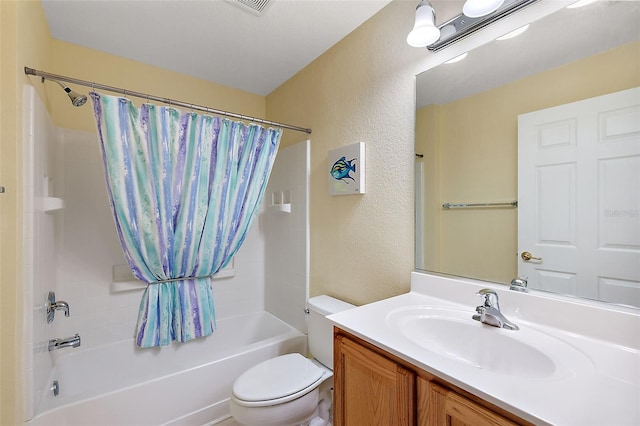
<point>181,384</point>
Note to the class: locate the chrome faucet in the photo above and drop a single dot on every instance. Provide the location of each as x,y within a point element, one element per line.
<point>69,342</point>
<point>53,306</point>
<point>519,284</point>
<point>489,312</point>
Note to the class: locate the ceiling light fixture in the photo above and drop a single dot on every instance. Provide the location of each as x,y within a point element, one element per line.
<point>424,31</point>
<point>462,25</point>
<point>478,8</point>
<point>514,33</point>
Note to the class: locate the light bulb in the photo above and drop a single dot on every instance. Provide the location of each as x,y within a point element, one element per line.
<point>424,31</point>
<point>477,8</point>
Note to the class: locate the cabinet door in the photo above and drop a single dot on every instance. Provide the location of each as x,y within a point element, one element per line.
<point>447,408</point>
<point>370,389</point>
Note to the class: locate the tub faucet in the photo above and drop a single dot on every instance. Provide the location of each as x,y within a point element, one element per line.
<point>489,312</point>
<point>62,305</point>
<point>53,306</point>
<point>69,342</point>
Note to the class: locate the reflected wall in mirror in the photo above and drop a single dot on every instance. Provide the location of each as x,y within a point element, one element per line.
<point>467,137</point>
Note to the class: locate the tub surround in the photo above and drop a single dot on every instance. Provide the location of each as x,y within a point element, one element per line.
<point>43,183</point>
<point>594,349</point>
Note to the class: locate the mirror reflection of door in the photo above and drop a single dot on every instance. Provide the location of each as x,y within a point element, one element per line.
<point>579,198</point>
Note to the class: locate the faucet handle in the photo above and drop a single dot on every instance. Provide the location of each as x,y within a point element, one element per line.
<point>490,298</point>
<point>519,284</point>
<point>53,305</point>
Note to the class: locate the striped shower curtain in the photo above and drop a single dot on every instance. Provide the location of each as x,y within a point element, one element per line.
<point>184,189</point>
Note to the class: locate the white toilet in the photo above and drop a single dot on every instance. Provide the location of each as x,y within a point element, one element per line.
<point>292,390</point>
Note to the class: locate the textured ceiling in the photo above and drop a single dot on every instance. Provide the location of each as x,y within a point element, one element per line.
<point>212,39</point>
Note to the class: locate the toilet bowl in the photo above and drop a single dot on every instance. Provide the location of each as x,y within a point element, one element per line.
<point>291,390</point>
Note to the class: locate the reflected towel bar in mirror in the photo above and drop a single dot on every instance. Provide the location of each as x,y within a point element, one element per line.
<point>447,206</point>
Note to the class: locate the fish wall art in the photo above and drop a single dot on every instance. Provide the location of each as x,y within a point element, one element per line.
<point>346,170</point>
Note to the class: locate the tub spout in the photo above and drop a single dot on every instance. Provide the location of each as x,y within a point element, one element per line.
<point>69,342</point>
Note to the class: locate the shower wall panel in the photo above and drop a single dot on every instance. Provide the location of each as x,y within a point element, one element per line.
<point>42,209</point>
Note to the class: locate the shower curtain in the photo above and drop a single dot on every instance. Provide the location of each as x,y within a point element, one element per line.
<point>184,189</point>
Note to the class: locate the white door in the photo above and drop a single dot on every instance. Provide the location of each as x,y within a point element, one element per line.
<point>579,198</point>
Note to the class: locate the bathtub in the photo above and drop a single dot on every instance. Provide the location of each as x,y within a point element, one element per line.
<point>181,384</point>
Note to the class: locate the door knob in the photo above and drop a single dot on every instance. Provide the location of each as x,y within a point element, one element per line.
<point>526,256</point>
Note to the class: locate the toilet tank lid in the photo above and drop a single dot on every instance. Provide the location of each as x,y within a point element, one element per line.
<point>327,305</point>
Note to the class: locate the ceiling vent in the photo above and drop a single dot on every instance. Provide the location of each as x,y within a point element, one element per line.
<point>256,7</point>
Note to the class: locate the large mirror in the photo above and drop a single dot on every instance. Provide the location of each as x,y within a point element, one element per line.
<point>504,186</point>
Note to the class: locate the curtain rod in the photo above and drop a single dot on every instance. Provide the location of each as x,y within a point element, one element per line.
<point>171,102</point>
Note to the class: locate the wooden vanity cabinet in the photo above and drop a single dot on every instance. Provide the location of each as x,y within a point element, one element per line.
<point>447,407</point>
<point>373,387</point>
<point>372,390</point>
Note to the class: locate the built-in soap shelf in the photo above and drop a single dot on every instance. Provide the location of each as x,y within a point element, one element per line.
<point>280,202</point>
<point>123,280</point>
<point>280,208</point>
<point>50,204</point>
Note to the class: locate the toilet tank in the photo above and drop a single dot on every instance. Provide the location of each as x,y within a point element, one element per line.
<point>320,329</point>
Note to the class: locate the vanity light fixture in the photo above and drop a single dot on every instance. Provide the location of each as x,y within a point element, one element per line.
<point>424,31</point>
<point>460,26</point>
<point>514,33</point>
<point>478,8</point>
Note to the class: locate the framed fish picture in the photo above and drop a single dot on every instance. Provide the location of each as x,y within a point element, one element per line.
<point>346,170</point>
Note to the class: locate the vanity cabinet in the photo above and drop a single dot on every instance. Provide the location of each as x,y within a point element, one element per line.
<point>373,387</point>
<point>447,407</point>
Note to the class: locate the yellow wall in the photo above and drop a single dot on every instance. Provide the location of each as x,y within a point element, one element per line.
<point>361,90</point>
<point>92,65</point>
<point>478,157</point>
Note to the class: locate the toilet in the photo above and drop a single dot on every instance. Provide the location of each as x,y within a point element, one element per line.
<point>292,390</point>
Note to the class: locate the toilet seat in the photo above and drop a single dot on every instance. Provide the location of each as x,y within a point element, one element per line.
<point>276,381</point>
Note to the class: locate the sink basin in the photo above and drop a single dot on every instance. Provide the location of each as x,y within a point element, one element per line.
<point>452,333</point>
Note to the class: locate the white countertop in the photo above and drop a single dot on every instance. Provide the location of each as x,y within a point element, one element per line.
<point>600,385</point>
